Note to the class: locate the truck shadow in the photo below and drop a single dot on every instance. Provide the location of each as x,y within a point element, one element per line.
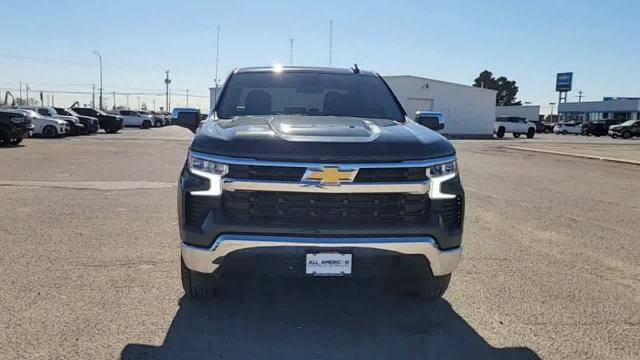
<point>327,319</point>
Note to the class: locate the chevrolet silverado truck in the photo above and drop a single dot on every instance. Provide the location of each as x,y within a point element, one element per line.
<point>306,172</point>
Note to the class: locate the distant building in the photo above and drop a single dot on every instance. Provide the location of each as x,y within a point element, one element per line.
<point>620,109</point>
<point>468,111</point>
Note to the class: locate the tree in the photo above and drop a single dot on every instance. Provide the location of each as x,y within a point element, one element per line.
<point>507,89</point>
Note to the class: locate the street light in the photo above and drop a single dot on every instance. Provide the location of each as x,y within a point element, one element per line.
<point>100,58</point>
<point>551,115</point>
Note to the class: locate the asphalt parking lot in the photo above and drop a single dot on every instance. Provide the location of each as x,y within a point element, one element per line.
<point>90,263</point>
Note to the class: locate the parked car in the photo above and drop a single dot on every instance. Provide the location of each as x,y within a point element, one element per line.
<point>626,130</point>
<point>542,127</point>
<point>91,124</point>
<point>565,128</point>
<point>515,125</point>
<point>75,127</point>
<point>109,123</point>
<point>14,127</point>
<point>136,118</point>
<point>45,126</point>
<point>158,121</point>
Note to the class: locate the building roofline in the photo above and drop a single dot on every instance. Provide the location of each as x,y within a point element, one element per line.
<point>436,80</point>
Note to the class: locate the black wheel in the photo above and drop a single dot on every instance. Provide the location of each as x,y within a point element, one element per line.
<point>16,141</point>
<point>564,132</point>
<point>516,135</point>
<point>5,137</point>
<point>614,136</point>
<point>431,288</point>
<point>111,130</point>
<point>49,131</point>
<point>626,134</point>
<point>500,132</point>
<point>531,133</point>
<point>547,130</point>
<point>197,285</point>
<point>146,124</point>
<point>588,133</point>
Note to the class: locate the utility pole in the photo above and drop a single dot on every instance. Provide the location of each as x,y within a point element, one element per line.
<point>21,99</point>
<point>330,40</point>
<point>580,96</point>
<point>27,94</point>
<point>53,103</point>
<point>100,58</point>
<point>551,115</point>
<point>167,81</point>
<point>290,51</point>
<point>154,104</point>
<point>187,97</point>
<point>127,101</point>
<point>114,100</point>
<point>93,95</point>
<point>138,102</point>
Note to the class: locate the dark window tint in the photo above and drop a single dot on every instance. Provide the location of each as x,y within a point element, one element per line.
<point>270,93</point>
<point>43,112</point>
<point>188,117</point>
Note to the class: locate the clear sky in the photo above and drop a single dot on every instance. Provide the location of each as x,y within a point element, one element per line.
<point>49,44</point>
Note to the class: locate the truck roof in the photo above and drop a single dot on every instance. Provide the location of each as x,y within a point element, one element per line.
<point>309,69</point>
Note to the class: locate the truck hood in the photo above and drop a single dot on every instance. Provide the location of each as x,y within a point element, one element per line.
<point>320,139</point>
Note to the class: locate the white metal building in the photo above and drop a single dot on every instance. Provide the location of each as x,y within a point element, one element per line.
<point>529,112</point>
<point>469,111</point>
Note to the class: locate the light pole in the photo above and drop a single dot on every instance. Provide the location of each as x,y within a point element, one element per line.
<point>167,81</point>
<point>551,115</point>
<point>187,97</point>
<point>100,58</point>
<point>290,51</point>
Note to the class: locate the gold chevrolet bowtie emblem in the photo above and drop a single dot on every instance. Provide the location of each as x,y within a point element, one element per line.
<point>329,175</point>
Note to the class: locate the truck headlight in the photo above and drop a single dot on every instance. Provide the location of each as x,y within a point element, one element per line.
<point>214,171</point>
<point>438,174</point>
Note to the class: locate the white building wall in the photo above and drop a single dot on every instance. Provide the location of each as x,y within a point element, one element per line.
<point>529,112</point>
<point>469,111</point>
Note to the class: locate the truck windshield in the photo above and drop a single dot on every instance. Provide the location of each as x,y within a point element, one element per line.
<point>317,94</point>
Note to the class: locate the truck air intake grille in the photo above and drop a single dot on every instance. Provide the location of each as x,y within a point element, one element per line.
<point>282,173</point>
<point>451,211</point>
<point>196,209</point>
<point>312,208</point>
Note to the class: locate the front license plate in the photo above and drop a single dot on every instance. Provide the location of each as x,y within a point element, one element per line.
<point>328,264</point>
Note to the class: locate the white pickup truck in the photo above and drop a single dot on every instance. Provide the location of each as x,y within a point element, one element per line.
<point>515,125</point>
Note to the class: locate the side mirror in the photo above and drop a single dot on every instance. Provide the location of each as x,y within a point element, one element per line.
<point>430,121</point>
<point>186,119</point>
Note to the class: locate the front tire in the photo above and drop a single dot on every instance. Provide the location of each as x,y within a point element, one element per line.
<point>626,134</point>
<point>111,130</point>
<point>431,288</point>
<point>197,285</point>
<point>531,133</point>
<point>5,137</point>
<point>146,124</point>
<point>564,132</point>
<point>49,131</point>
<point>500,132</point>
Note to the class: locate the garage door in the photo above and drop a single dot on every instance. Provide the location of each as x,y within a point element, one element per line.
<point>418,104</point>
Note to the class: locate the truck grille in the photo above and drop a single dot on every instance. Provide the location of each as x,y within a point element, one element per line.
<point>451,211</point>
<point>282,173</point>
<point>314,208</point>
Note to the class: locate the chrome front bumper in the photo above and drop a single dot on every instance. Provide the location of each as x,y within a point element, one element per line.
<point>204,260</point>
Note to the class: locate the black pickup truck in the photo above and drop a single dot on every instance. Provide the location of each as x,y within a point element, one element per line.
<point>13,127</point>
<point>109,123</point>
<point>317,172</point>
<point>91,124</point>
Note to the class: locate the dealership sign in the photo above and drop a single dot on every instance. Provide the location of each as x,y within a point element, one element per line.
<point>563,81</point>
